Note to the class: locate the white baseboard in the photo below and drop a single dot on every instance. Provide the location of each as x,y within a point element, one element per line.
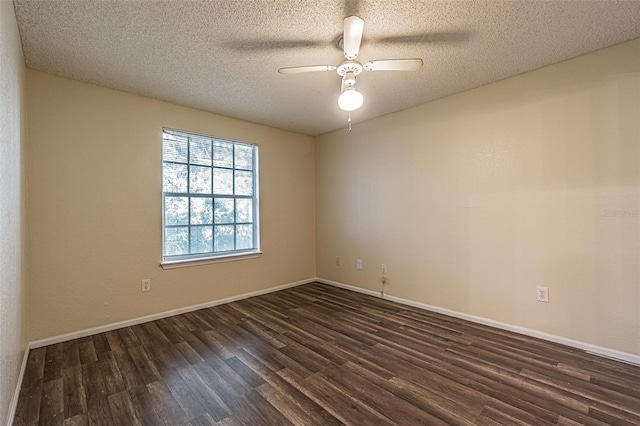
<point>352,288</point>
<point>14,401</point>
<point>593,349</point>
<point>135,321</point>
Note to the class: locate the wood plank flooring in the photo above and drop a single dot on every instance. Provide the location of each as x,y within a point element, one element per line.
<point>319,355</point>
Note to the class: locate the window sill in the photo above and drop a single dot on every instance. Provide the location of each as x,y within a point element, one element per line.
<point>206,261</point>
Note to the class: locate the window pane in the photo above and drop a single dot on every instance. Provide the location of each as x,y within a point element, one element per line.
<point>224,211</point>
<point>200,151</point>
<point>201,211</point>
<point>174,147</point>
<point>224,238</point>
<point>244,237</point>
<point>244,157</point>
<point>223,154</point>
<point>176,241</point>
<point>176,211</point>
<point>174,177</point>
<point>200,180</point>
<point>244,183</point>
<point>201,239</point>
<point>209,199</point>
<point>223,181</point>
<point>244,210</point>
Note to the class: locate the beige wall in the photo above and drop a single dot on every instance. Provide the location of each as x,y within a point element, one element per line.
<point>13,332</point>
<point>95,208</point>
<point>474,200</point>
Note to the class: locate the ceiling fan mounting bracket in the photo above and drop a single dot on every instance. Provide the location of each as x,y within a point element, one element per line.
<point>354,67</point>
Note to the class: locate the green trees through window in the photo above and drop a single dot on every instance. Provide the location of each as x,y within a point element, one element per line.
<point>210,200</point>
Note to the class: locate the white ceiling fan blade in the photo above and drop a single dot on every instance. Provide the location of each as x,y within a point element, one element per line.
<point>353,28</point>
<point>309,68</point>
<point>394,65</point>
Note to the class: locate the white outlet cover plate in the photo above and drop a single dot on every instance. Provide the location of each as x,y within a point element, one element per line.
<point>542,294</point>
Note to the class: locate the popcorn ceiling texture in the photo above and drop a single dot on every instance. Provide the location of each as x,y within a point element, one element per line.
<point>223,56</point>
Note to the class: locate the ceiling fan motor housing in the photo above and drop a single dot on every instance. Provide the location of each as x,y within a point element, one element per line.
<point>354,67</point>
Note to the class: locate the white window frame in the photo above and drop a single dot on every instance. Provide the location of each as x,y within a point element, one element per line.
<point>192,259</point>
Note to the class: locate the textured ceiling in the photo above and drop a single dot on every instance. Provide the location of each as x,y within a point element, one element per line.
<point>223,56</point>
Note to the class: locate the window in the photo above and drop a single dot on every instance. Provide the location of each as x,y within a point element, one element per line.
<point>209,197</point>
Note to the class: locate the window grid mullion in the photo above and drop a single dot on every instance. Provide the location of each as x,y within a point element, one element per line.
<point>233,191</point>
<point>189,195</point>
<point>213,198</point>
<point>189,191</point>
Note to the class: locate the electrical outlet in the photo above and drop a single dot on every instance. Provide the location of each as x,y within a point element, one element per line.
<point>337,261</point>
<point>384,268</point>
<point>542,294</point>
<point>359,264</point>
<point>146,285</point>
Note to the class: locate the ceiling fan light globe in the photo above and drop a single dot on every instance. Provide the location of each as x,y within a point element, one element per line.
<point>350,100</point>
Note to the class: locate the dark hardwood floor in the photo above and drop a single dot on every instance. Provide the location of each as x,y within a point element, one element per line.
<point>319,355</point>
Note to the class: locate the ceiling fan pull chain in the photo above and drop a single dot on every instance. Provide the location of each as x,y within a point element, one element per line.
<point>349,121</point>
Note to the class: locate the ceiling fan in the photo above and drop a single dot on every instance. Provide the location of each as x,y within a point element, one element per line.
<point>350,99</point>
